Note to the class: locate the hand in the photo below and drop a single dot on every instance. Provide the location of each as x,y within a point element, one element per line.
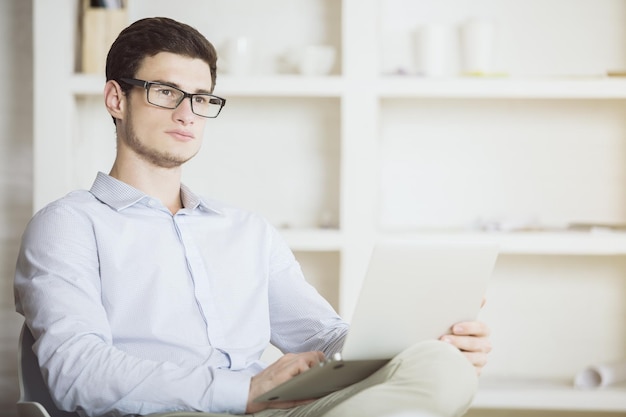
<point>472,339</point>
<point>280,371</point>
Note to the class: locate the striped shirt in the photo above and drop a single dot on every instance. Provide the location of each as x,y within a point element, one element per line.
<point>136,310</point>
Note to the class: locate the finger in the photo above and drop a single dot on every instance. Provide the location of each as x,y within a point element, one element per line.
<point>312,358</point>
<point>285,368</point>
<point>298,363</point>
<point>469,343</point>
<point>299,366</point>
<point>471,328</point>
<point>318,356</point>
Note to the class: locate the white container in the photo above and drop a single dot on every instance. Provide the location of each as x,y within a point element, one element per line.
<point>477,46</point>
<point>435,47</point>
<point>235,56</point>
<point>315,60</point>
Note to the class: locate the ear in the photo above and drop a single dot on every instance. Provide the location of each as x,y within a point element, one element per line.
<point>114,99</point>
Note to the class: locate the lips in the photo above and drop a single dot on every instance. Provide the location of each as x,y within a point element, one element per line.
<point>181,135</point>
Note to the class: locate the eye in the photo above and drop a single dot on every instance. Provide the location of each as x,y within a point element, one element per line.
<point>164,91</point>
<point>202,100</point>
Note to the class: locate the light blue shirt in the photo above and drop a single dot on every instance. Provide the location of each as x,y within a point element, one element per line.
<point>137,310</point>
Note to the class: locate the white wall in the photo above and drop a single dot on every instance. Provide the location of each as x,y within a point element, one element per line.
<point>16,136</point>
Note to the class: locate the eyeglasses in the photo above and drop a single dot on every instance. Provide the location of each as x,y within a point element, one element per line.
<point>170,97</point>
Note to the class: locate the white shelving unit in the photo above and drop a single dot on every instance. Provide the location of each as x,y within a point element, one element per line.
<point>547,395</point>
<point>422,158</point>
<point>237,86</point>
<point>504,88</point>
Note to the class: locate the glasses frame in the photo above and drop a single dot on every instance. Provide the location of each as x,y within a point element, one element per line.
<point>147,84</point>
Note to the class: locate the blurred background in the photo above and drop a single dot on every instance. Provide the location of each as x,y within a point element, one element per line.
<point>352,120</point>
<point>16,177</point>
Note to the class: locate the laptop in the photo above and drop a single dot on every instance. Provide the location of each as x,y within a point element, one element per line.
<point>412,291</point>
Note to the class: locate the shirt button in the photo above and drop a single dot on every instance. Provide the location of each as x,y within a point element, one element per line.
<point>152,203</point>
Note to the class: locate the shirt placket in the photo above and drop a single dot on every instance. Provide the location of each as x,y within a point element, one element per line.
<point>200,278</point>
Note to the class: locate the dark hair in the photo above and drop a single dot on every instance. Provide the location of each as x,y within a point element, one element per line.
<point>147,37</point>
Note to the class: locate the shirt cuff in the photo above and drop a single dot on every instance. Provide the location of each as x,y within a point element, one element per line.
<point>230,391</point>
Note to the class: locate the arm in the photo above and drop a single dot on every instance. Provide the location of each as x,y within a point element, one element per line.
<point>57,286</point>
<point>302,321</point>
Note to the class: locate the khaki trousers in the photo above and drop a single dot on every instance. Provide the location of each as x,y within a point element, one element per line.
<point>430,379</point>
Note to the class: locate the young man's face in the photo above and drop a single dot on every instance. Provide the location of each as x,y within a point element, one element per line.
<point>165,137</point>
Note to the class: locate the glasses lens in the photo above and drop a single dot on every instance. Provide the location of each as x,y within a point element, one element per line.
<point>206,105</point>
<point>164,96</point>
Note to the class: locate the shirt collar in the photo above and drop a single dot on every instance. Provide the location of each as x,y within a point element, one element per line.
<point>119,195</point>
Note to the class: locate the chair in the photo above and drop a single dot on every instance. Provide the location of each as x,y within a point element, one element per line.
<point>35,400</point>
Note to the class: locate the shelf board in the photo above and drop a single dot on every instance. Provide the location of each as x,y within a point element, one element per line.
<point>548,395</point>
<point>313,240</point>
<point>535,243</point>
<point>599,87</point>
<point>562,243</point>
<point>230,86</point>
<point>86,84</point>
<point>280,86</point>
<point>400,87</point>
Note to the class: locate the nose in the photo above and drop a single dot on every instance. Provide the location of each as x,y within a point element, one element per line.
<point>183,113</point>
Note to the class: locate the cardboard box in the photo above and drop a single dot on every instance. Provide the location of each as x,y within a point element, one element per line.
<point>99,29</point>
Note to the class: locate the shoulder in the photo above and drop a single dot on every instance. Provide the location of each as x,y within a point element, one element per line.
<point>70,210</point>
<point>75,201</point>
<point>235,213</point>
<point>253,224</point>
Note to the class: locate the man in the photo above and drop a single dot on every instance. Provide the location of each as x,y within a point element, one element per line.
<point>144,297</point>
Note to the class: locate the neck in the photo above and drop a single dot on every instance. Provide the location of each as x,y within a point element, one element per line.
<point>160,183</point>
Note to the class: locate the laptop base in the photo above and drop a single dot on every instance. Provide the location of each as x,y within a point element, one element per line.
<point>321,380</point>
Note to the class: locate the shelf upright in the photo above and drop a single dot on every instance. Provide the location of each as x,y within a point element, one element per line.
<point>53,100</point>
<point>359,126</point>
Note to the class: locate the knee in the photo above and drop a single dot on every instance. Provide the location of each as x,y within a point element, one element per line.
<point>448,376</point>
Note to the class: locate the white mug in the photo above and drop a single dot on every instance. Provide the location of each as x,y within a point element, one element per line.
<point>236,56</point>
<point>313,60</point>
<point>435,48</point>
<point>317,60</point>
<point>477,46</point>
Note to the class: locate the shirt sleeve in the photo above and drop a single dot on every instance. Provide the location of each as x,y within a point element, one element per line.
<point>301,319</point>
<point>57,289</point>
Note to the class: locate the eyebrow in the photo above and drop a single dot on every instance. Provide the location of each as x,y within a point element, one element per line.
<point>171,84</point>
